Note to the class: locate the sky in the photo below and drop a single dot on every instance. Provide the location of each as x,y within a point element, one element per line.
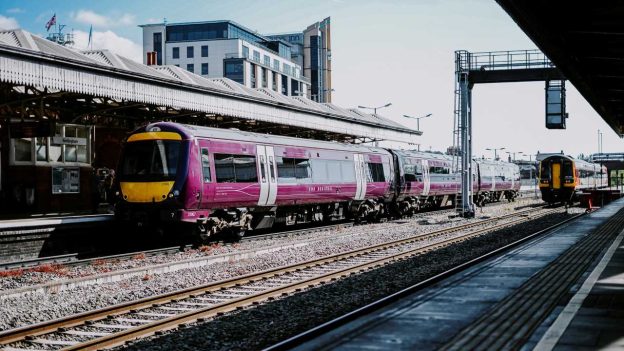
<point>399,52</point>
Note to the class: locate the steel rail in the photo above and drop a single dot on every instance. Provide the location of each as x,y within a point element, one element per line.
<point>80,319</point>
<point>362,311</point>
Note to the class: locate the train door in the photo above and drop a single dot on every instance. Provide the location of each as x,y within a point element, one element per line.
<point>556,175</point>
<point>265,157</point>
<point>426,178</point>
<point>207,187</point>
<point>360,176</point>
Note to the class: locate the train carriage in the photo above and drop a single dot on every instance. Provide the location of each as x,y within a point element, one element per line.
<point>562,178</point>
<point>215,180</point>
<point>218,179</point>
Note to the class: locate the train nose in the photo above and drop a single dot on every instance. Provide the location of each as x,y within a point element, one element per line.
<point>146,191</point>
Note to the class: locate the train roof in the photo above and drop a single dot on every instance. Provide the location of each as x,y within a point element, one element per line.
<point>190,131</point>
<point>581,164</point>
<point>423,155</point>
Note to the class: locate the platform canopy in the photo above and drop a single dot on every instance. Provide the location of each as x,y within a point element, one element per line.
<point>41,79</point>
<point>585,40</point>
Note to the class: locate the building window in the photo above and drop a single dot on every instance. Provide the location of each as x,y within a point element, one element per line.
<point>245,52</point>
<point>190,67</point>
<point>70,144</point>
<point>267,61</point>
<point>274,80</point>
<point>276,65</point>
<point>175,53</point>
<point>264,78</point>
<point>256,56</point>
<point>190,52</point>
<point>234,70</point>
<point>177,65</point>
<point>158,47</point>
<point>286,69</point>
<point>204,51</point>
<point>253,76</point>
<point>204,68</point>
<point>284,85</point>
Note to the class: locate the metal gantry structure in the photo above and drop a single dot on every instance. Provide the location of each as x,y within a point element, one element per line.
<point>487,67</point>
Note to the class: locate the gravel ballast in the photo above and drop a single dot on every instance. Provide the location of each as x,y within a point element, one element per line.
<point>36,307</point>
<point>267,324</point>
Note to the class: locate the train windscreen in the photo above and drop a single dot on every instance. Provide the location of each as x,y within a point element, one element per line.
<point>150,160</point>
<point>544,171</point>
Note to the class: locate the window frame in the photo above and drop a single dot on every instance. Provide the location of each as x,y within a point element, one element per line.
<point>48,142</point>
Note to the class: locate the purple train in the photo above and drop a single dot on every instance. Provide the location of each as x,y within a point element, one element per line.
<point>216,180</point>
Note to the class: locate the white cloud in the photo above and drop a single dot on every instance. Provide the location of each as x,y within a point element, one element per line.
<point>8,23</point>
<point>111,41</point>
<point>91,18</point>
<point>15,10</point>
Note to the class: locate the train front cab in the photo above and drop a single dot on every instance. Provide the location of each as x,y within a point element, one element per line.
<point>150,177</point>
<point>557,180</point>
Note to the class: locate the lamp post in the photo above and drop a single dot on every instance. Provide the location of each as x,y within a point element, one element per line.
<point>375,113</point>
<point>375,108</point>
<point>512,154</point>
<point>418,119</point>
<point>495,149</point>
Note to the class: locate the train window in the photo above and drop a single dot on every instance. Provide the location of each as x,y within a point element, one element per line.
<point>272,169</point>
<point>302,169</point>
<point>205,159</point>
<point>150,160</point>
<point>262,170</point>
<point>235,168</point>
<point>348,171</point>
<point>375,173</point>
<point>319,171</point>
<point>567,169</point>
<point>334,173</point>
<point>293,170</point>
<point>544,171</point>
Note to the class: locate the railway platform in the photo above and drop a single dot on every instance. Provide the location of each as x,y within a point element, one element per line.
<point>560,291</point>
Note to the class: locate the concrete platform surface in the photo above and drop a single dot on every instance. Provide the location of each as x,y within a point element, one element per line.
<point>431,318</point>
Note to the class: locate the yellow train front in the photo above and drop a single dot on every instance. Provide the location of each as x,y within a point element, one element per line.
<point>562,178</point>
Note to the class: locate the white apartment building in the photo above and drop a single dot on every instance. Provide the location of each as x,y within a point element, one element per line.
<point>225,49</point>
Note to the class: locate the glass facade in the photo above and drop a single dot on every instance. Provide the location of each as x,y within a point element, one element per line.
<point>204,51</point>
<point>234,70</point>
<point>316,86</point>
<point>201,31</point>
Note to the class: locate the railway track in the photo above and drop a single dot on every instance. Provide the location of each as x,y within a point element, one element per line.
<point>115,325</point>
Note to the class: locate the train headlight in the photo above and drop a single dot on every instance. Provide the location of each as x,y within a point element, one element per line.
<point>170,195</point>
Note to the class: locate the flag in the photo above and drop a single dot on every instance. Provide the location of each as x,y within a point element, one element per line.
<point>51,22</point>
<point>90,37</point>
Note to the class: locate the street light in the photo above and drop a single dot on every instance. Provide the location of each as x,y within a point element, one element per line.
<point>375,108</point>
<point>513,153</point>
<point>375,113</point>
<point>418,119</point>
<point>495,149</point>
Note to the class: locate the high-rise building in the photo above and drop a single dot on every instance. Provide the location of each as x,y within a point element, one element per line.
<point>216,49</point>
<point>311,49</point>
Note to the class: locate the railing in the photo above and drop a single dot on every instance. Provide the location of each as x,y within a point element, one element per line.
<point>501,60</point>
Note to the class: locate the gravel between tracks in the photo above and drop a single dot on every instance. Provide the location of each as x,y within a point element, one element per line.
<point>262,326</point>
<point>36,307</point>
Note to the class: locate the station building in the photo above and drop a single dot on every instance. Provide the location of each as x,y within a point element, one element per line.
<point>215,49</point>
<point>64,115</point>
